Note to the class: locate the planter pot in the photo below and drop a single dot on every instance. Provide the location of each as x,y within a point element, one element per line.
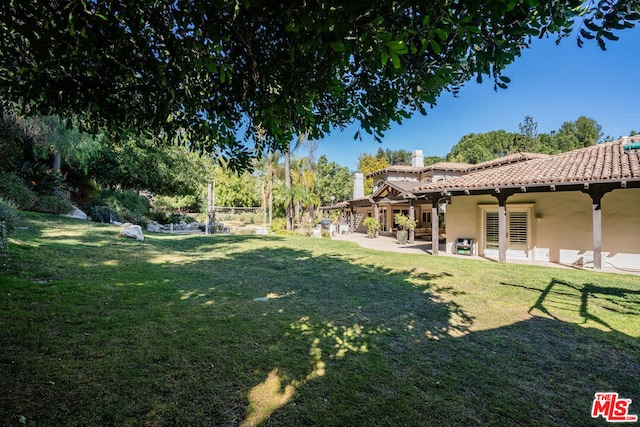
<point>371,234</point>
<point>402,235</point>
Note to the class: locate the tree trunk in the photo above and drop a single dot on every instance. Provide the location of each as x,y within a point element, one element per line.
<point>57,161</point>
<point>287,183</point>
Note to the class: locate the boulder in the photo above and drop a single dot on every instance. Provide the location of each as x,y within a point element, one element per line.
<point>154,226</point>
<point>132,231</point>
<point>77,213</point>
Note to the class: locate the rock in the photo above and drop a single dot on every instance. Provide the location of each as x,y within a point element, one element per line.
<point>132,231</point>
<point>76,213</point>
<point>153,226</point>
<point>118,223</point>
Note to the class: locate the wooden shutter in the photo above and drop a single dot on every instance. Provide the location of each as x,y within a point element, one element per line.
<point>518,230</point>
<point>491,237</point>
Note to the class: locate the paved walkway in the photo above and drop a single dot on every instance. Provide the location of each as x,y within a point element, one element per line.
<point>390,244</point>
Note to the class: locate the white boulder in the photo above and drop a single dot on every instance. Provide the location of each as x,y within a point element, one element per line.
<point>76,213</point>
<point>154,226</point>
<point>132,231</point>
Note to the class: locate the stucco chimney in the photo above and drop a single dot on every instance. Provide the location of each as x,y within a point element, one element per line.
<point>358,185</point>
<point>417,159</point>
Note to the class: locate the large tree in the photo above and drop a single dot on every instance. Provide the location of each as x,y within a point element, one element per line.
<point>335,182</point>
<point>480,147</point>
<point>205,70</point>
<point>368,164</point>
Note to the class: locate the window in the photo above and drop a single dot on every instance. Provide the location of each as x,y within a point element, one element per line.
<point>491,235</point>
<point>518,228</point>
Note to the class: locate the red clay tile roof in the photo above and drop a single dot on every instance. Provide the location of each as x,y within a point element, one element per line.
<point>508,159</point>
<point>459,167</point>
<point>396,169</point>
<point>602,162</point>
<point>449,166</point>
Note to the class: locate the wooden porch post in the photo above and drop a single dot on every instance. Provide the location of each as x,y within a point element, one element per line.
<point>376,213</point>
<point>596,213</point>
<point>503,238</point>
<point>352,222</point>
<point>502,229</point>
<point>597,192</point>
<point>412,215</point>
<point>435,227</point>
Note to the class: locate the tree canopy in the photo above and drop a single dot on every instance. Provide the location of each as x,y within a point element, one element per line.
<point>335,182</point>
<point>368,164</point>
<point>207,71</point>
<point>476,148</point>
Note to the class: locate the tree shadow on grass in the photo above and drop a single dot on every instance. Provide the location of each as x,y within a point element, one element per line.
<point>333,340</point>
<point>562,296</point>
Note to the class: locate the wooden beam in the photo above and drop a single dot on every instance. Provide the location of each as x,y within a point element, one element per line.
<point>502,230</point>
<point>596,213</point>
<point>376,213</point>
<point>503,241</point>
<point>435,227</point>
<point>597,192</point>
<point>412,215</point>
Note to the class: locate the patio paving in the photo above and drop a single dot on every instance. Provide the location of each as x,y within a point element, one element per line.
<point>390,244</point>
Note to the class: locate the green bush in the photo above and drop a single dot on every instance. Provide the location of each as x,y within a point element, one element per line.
<point>8,220</point>
<point>53,204</point>
<point>103,214</point>
<point>177,218</point>
<point>13,188</point>
<point>8,214</point>
<point>226,217</point>
<point>42,179</point>
<point>123,206</point>
<point>158,216</point>
<point>251,218</point>
<point>278,224</point>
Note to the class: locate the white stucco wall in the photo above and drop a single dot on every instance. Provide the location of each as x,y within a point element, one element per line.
<point>563,233</point>
<point>621,229</point>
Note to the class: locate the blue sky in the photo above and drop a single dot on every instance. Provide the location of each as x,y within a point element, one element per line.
<point>551,83</point>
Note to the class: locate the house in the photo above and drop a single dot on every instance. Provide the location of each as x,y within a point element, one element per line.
<point>580,207</point>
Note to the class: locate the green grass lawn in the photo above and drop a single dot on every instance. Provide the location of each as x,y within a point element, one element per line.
<point>98,330</point>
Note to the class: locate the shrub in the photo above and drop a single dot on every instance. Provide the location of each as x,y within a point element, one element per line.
<point>42,179</point>
<point>278,224</point>
<point>372,224</point>
<point>103,214</point>
<point>118,206</point>
<point>53,204</point>
<point>158,216</point>
<point>404,222</point>
<point>226,217</point>
<point>8,214</point>
<point>8,220</point>
<point>178,218</point>
<point>250,218</point>
<point>13,188</point>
